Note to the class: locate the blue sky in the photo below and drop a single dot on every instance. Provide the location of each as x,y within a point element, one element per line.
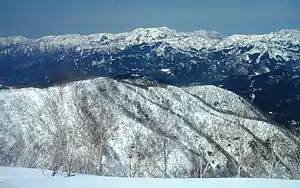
<point>35,18</point>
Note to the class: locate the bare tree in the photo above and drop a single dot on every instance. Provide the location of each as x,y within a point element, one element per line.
<point>142,152</point>
<point>97,121</point>
<point>166,156</point>
<point>274,159</point>
<point>162,127</point>
<point>11,141</point>
<point>240,152</point>
<point>202,162</point>
<point>240,148</point>
<point>54,119</point>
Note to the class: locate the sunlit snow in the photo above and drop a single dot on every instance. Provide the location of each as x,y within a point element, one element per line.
<point>34,178</point>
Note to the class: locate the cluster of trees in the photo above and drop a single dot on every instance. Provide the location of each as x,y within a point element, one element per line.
<point>90,132</point>
<point>251,156</point>
<point>11,141</point>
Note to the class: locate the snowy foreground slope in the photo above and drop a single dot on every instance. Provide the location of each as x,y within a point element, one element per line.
<point>32,178</point>
<point>127,128</point>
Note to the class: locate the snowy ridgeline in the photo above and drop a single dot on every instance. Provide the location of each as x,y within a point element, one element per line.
<point>116,128</point>
<point>179,40</point>
<point>33,178</point>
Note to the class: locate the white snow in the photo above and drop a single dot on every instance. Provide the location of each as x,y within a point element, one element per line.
<point>275,43</point>
<point>33,178</point>
<point>166,70</point>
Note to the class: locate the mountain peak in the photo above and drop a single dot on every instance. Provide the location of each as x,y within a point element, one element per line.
<point>162,28</point>
<point>154,33</point>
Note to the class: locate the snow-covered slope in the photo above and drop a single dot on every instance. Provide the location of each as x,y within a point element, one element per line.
<point>33,178</point>
<point>147,131</point>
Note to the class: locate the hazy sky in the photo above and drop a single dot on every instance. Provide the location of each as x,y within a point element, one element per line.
<point>34,18</point>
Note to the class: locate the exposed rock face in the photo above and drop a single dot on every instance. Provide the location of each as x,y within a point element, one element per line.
<point>126,128</point>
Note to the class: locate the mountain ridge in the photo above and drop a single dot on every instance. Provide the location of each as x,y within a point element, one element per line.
<point>150,132</point>
<point>155,35</point>
<point>162,29</point>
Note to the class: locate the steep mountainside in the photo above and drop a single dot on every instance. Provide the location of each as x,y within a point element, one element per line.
<point>128,128</point>
<point>264,68</point>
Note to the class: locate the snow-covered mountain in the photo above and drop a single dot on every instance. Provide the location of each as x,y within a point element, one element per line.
<point>263,68</point>
<point>198,40</point>
<point>130,128</point>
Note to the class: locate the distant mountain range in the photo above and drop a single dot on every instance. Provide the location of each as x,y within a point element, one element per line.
<point>264,68</point>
